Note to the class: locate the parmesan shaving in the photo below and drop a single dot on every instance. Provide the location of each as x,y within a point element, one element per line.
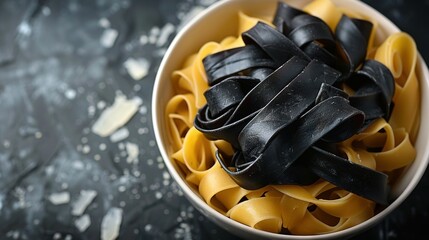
<point>115,116</point>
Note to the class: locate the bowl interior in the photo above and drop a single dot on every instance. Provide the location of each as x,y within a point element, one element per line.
<point>219,21</point>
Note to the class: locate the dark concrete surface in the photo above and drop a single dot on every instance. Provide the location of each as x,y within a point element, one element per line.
<point>56,78</point>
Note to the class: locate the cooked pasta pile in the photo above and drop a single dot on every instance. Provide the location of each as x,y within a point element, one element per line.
<point>317,208</point>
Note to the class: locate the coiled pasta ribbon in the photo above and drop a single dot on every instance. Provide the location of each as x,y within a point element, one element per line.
<point>399,53</point>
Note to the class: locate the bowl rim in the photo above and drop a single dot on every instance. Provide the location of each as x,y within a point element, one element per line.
<point>202,206</point>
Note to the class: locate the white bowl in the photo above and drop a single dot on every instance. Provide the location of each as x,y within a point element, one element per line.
<point>217,22</point>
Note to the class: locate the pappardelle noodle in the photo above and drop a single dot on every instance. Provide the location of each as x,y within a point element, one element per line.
<point>384,145</point>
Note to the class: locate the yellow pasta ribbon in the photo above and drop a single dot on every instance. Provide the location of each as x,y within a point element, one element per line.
<point>325,10</point>
<point>180,114</point>
<point>399,53</point>
<point>260,213</point>
<point>329,215</point>
<point>397,150</point>
<point>220,191</point>
<point>198,160</point>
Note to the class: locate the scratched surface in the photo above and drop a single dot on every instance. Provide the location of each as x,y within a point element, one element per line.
<point>62,63</point>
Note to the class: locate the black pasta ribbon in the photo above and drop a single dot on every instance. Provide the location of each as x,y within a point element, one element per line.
<point>220,66</point>
<point>278,102</point>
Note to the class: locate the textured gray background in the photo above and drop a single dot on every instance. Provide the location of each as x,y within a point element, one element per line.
<point>55,78</point>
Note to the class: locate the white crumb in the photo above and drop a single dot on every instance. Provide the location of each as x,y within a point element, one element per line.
<point>70,94</point>
<point>111,224</point>
<point>133,152</point>
<point>119,135</point>
<point>143,39</point>
<point>82,223</point>
<point>137,68</point>
<point>108,37</point>
<point>165,33</point>
<point>59,198</point>
<point>104,22</point>
<point>115,116</point>
<point>85,198</point>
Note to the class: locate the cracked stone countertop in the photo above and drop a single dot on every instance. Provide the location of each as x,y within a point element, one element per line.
<point>62,64</point>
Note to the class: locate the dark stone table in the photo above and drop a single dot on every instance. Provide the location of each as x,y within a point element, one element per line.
<point>62,63</point>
